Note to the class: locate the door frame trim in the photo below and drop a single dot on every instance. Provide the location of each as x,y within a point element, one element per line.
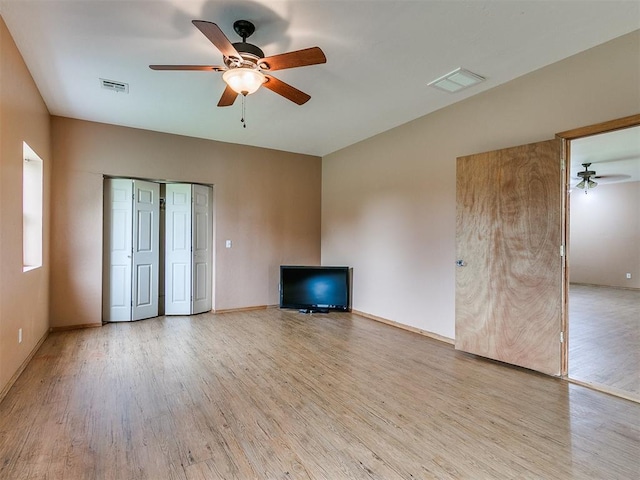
<point>566,137</point>
<point>609,126</point>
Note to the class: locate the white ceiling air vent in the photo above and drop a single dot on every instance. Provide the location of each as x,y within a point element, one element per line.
<point>456,80</point>
<point>119,87</point>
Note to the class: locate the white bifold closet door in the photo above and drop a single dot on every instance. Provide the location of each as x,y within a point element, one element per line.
<point>131,249</point>
<point>188,249</point>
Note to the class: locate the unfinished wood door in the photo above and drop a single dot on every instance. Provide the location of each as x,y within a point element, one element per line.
<point>508,240</point>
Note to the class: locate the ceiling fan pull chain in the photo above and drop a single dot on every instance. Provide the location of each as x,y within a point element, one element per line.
<point>244,124</point>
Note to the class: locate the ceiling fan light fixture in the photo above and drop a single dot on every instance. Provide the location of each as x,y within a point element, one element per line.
<point>243,80</point>
<point>581,184</point>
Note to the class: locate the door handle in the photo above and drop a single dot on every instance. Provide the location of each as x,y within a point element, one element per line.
<point>460,263</point>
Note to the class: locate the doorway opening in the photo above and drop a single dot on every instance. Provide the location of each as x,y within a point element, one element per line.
<point>602,281</point>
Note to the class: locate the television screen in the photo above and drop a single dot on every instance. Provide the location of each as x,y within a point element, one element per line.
<point>314,288</point>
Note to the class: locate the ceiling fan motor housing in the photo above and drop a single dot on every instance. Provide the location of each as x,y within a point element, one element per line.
<point>586,173</point>
<point>249,50</point>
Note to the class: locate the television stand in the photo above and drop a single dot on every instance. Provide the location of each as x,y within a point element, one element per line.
<point>313,310</point>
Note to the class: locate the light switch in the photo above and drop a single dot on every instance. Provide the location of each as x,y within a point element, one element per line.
<point>227,244</point>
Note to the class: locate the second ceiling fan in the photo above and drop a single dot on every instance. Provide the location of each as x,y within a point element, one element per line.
<point>245,66</point>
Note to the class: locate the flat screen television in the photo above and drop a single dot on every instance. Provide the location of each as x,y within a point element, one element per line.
<point>315,289</point>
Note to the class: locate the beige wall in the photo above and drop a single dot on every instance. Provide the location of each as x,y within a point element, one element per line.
<point>267,202</point>
<point>388,203</point>
<point>24,296</point>
<point>605,235</point>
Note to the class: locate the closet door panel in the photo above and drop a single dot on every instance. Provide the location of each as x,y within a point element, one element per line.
<point>146,252</point>
<point>178,249</point>
<point>118,211</point>
<point>202,265</point>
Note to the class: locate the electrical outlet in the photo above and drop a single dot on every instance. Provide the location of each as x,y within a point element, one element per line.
<point>628,276</point>
<point>19,335</point>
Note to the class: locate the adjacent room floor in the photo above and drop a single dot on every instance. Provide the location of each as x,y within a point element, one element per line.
<point>277,394</point>
<point>604,337</point>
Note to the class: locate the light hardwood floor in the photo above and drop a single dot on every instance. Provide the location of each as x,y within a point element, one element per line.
<point>604,337</point>
<point>279,395</point>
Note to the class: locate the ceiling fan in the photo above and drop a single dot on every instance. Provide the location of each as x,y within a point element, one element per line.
<point>586,177</point>
<point>245,66</point>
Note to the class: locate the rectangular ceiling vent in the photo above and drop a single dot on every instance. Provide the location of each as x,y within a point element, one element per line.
<point>456,80</point>
<point>119,87</point>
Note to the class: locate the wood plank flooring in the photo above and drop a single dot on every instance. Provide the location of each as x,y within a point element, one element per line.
<point>604,337</point>
<point>279,395</point>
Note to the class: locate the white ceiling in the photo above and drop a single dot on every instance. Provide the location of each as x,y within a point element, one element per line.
<point>381,55</point>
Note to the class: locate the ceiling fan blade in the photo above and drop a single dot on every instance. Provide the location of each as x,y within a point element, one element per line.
<point>612,177</point>
<point>219,39</point>
<point>286,90</point>
<point>228,97</point>
<point>299,58</point>
<point>213,68</point>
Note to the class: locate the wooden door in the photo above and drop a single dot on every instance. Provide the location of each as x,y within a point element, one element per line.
<point>508,236</point>
<point>146,249</point>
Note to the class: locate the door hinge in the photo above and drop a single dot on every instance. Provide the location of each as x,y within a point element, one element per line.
<point>562,163</point>
<point>561,337</point>
<point>562,250</point>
